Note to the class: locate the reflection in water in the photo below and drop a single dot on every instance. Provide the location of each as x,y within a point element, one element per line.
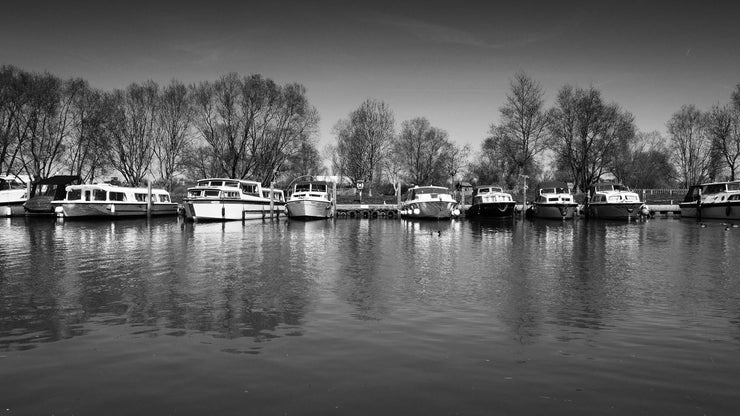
<point>431,317</point>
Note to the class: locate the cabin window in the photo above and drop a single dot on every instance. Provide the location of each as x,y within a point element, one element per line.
<point>553,199</point>
<point>735,197</point>
<point>74,195</point>
<point>164,198</point>
<point>304,187</point>
<point>194,194</point>
<point>249,188</point>
<point>614,198</point>
<point>211,193</point>
<point>99,195</point>
<point>117,196</point>
<point>140,197</point>
<point>231,184</point>
<point>733,186</point>
<point>231,194</point>
<point>216,183</point>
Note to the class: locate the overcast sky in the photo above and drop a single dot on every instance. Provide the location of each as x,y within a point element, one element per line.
<point>448,61</point>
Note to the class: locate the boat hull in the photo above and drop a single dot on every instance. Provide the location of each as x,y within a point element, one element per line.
<point>554,211</point>
<point>74,210</point>
<point>11,208</point>
<point>491,210</point>
<point>308,210</point>
<point>729,210</point>
<point>431,210</point>
<point>614,211</point>
<point>231,210</point>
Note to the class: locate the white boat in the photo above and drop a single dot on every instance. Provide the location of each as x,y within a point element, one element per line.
<point>553,201</point>
<point>429,202</point>
<point>223,199</point>
<point>490,202</point>
<point>310,200</point>
<point>103,200</point>
<point>614,201</point>
<point>13,194</point>
<point>714,200</point>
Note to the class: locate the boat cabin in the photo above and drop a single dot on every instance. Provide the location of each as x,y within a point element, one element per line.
<point>490,194</point>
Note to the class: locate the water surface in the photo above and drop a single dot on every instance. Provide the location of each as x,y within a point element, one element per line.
<point>369,317</point>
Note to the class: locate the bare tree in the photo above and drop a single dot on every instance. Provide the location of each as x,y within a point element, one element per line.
<point>364,139</point>
<point>133,130</point>
<point>523,131</point>
<point>423,148</point>
<point>12,99</point>
<point>87,134</point>
<point>723,123</point>
<point>691,144</point>
<point>251,125</point>
<point>175,117</point>
<point>588,133</point>
<point>48,117</point>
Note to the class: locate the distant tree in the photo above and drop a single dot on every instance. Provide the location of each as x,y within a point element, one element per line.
<point>723,123</point>
<point>490,167</point>
<point>363,140</point>
<point>735,97</point>
<point>691,145</point>
<point>307,161</point>
<point>523,132</point>
<point>647,163</point>
<point>454,160</point>
<point>423,149</point>
<point>133,130</point>
<point>175,114</point>
<point>87,135</point>
<point>251,125</point>
<point>588,133</point>
<point>12,100</point>
<point>47,119</point>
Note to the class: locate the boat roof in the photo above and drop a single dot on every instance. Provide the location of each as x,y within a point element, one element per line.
<point>230,179</point>
<point>552,184</point>
<point>110,187</point>
<point>59,180</point>
<point>312,183</point>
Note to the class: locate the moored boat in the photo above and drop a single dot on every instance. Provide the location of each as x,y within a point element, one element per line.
<point>223,199</point>
<point>103,200</point>
<point>429,202</point>
<point>490,202</point>
<point>714,200</point>
<point>614,201</point>
<point>309,200</point>
<point>13,194</point>
<point>553,201</point>
<point>45,191</point>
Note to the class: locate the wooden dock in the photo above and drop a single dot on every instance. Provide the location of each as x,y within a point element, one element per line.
<point>368,211</point>
<point>665,210</point>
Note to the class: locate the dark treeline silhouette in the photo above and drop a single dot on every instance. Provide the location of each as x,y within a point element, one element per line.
<point>251,127</point>
<point>235,126</point>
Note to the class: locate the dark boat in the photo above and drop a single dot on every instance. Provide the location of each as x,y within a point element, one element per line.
<point>47,190</point>
<point>491,202</point>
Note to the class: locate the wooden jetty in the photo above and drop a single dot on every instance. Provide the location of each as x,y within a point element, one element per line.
<point>367,211</point>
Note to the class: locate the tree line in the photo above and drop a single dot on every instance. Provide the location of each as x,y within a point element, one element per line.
<point>251,127</point>
<point>236,126</point>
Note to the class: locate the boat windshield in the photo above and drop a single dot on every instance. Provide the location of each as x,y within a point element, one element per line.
<point>733,186</point>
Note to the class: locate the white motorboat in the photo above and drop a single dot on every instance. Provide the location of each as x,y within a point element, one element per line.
<point>103,200</point>
<point>223,199</point>
<point>614,201</point>
<point>714,200</point>
<point>310,200</point>
<point>429,202</point>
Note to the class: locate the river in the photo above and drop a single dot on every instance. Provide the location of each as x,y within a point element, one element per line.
<point>369,317</point>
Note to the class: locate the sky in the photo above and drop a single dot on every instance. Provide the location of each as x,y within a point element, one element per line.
<point>450,61</point>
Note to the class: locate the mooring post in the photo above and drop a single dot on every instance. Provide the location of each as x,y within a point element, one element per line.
<point>272,200</point>
<point>148,198</point>
<point>334,200</point>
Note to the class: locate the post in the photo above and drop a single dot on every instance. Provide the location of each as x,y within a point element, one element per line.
<point>148,198</point>
<point>334,200</point>
<point>524,195</point>
<point>272,200</point>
